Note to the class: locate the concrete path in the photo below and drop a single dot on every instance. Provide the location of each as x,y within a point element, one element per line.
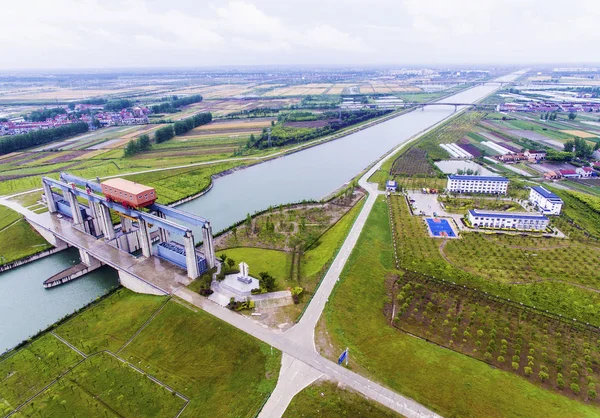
<point>300,371</point>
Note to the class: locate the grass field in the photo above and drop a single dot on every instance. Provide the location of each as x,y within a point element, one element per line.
<point>277,263</point>
<point>104,383</point>
<point>223,371</point>
<point>304,269</point>
<point>326,399</point>
<point>110,323</point>
<point>463,386</point>
<point>19,238</point>
<point>218,370</point>
<point>29,369</point>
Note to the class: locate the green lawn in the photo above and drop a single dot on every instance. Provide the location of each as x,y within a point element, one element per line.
<point>26,371</point>
<point>8,216</point>
<point>326,399</point>
<point>277,263</point>
<point>316,259</point>
<point>104,384</point>
<point>20,240</point>
<point>447,382</point>
<point>224,372</point>
<point>110,323</point>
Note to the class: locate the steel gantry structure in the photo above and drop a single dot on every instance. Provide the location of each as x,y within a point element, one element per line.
<point>99,223</point>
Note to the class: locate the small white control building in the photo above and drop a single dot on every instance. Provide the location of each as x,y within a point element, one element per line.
<point>391,186</point>
<point>545,200</point>
<point>522,221</point>
<point>477,184</point>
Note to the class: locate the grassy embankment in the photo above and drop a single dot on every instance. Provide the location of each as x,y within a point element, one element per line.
<point>220,370</point>
<point>305,269</point>
<point>445,381</point>
<point>326,399</point>
<point>313,262</point>
<point>18,237</point>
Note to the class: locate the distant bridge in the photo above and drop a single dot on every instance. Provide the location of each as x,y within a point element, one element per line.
<point>481,106</point>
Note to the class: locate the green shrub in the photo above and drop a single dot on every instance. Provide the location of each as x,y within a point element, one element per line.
<point>575,388</point>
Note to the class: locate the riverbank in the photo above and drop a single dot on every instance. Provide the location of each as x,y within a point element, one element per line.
<point>31,258</point>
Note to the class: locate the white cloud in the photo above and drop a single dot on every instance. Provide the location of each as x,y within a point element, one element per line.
<point>99,33</point>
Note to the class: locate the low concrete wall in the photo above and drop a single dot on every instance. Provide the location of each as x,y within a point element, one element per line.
<point>136,285</point>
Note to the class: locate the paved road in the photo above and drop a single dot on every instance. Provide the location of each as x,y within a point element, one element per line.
<point>303,332</point>
<point>300,360</point>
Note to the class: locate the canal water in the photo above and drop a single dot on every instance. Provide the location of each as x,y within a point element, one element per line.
<point>26,307</point>
<point>315,172</point>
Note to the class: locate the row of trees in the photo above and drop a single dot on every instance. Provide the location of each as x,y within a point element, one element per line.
<point>135,146</point>
<point>548,116</point>
<point>41,115</point>
<point>43,136</point>
<point>117,105</point>
<point>174,103</point>
<point>580,148</point>
<point>178,128</point>
<point>283,135</point>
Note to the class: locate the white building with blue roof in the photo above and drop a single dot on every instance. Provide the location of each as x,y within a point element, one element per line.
<point>477,184</point>
<point>522,221</point>
<point>391,186</point>
<point>548,202</point>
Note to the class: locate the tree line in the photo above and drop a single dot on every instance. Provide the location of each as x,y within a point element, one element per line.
<point>41,115</point>
<point>580,147</point>
<point>174,103</point>
<point>43,136</point>
<point>180,127</point>
<point>118,105</point>
<point>167,132</point>
<point>284,135</point>
<point>135,146</point>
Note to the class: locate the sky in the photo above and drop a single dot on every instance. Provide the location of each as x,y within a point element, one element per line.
<point>39,34</point>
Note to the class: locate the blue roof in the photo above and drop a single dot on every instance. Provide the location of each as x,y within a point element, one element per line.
<point>391,183</point>
<point>482,178</point>
<point>507,215</point>
<point>547,194</point>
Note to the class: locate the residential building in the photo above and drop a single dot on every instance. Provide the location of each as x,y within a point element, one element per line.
<point>522,221</point>
<point>545,200</point>
<point>568,173</point>
<point>585,171</point>
<point>477,184</point>
<point>535,155</point>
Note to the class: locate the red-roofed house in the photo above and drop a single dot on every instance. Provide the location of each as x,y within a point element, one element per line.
<point>569,173</point>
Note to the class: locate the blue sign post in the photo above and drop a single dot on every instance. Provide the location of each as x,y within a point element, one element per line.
<point>343,356</point>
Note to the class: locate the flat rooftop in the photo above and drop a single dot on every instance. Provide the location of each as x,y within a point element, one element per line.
<point>480,178</point>
<point>127,186</point>
<point>506,215</point>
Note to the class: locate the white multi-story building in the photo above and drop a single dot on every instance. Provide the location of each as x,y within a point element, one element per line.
<point>545,200</point>
<point>477,184</point>
<point>522,221</point>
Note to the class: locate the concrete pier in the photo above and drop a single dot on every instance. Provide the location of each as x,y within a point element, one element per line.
<point>69,274</point>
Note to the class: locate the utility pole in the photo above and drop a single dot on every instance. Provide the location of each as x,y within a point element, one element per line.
<point>269,136</point>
